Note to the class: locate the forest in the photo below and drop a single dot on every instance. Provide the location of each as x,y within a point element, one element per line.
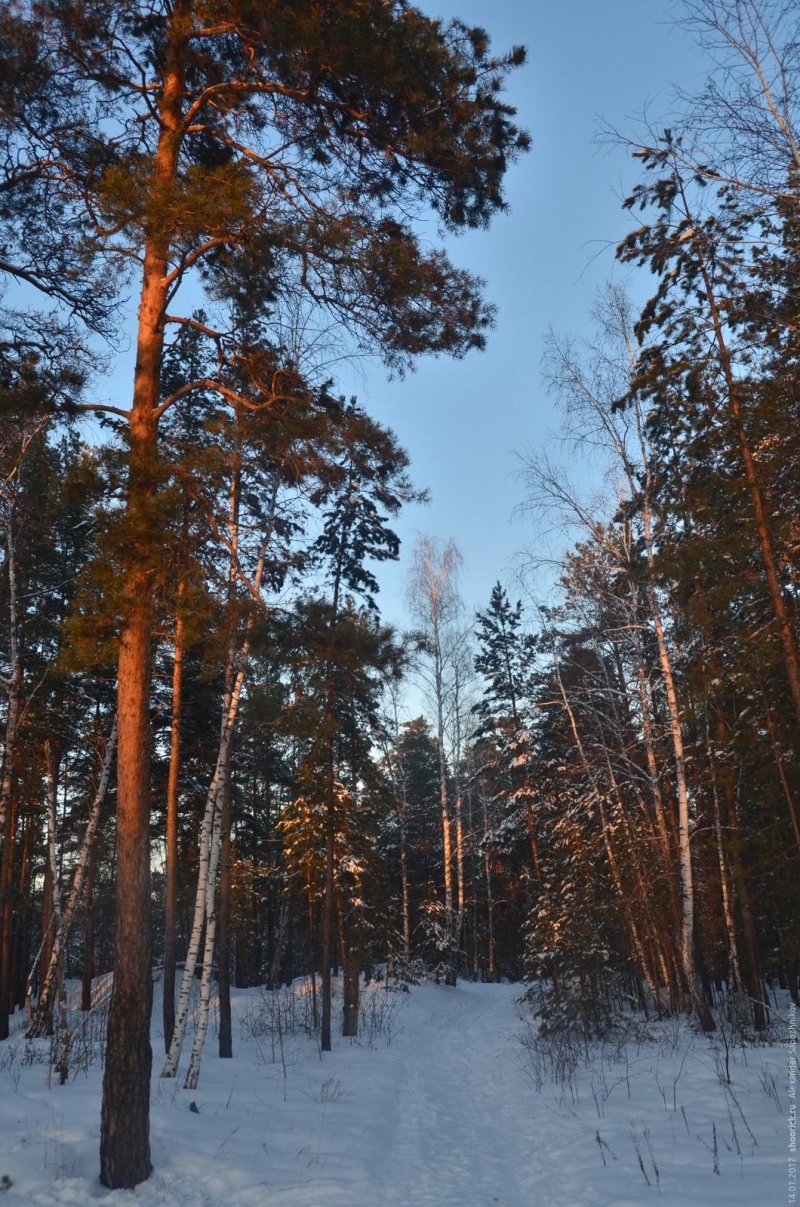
<point>222,769</point>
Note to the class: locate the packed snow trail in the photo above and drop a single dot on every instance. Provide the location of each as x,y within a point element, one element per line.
<point>440,1122</point>
<point>460,1137</point>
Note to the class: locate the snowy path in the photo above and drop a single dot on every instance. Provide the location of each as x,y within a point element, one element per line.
<point>436,1121</point>
<point>460,1138</point>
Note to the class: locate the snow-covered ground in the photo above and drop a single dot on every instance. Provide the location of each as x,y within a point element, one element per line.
<point>439,1104</point>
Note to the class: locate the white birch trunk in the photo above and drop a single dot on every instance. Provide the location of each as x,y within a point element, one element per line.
<point>52,791</point>
<point>52,863</point>
<point>14,683</point>
<point>676,736</point>
<point>404,892</point>
<point>206,842</point>
<point>193,1072</point>
<point>65,921</point>
<point>438,681</point>
<point>447,853</point>
<point>679,759</point>
<point>649,741</point>
<point>204,870</point>
<point>435,600</point>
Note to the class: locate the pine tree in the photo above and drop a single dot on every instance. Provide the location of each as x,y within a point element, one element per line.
<point>380,110</point>
<point>697,334</point>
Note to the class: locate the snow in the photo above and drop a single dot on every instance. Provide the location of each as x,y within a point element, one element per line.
<point>438,1104</point>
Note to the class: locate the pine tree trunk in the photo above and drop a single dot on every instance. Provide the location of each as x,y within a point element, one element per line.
<point>312,951</point>
<point>787,636</point>
<point>88,935</point>
<point>487,868</point>
<point>276,954</point>
<point>473,963</point>
<point>351,971</point>
<point>223,922</point>
<point>47,936</point>
<point>6,917</point>
<point>224,904</point>
<point>735,978</point>
<point>327,928</point>
<point>628,913</point>
<point>13,715</point>
<point>125,1113</point>
<point>272,890</point>
<point>787,790</point>
<point>314,997</point>
<point>461,886</point>
<point>23,931</point>
<point>533,838</point>
<point>329,889</point>
<point>15,684</point>
<point>404,895</point>
<point>288,965</point>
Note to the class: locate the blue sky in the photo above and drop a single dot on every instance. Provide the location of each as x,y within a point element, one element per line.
<point>463,421</point>
<point>589,60</point>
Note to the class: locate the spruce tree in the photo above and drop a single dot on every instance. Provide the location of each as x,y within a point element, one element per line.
<point>368,476</point>
<point>504,660</point>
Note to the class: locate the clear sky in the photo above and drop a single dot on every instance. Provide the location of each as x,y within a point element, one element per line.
<point>462,421</point>
<point>544,261</point>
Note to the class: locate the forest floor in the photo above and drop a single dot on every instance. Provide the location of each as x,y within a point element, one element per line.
<point>448,1099</point>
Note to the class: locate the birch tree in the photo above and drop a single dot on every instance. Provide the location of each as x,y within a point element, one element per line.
<point>66,917</point>
<point>436,606</point>
<point>210,836</point>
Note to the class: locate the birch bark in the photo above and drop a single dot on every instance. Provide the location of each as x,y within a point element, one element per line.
<point>209,851</point>
<point>64,921</point>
